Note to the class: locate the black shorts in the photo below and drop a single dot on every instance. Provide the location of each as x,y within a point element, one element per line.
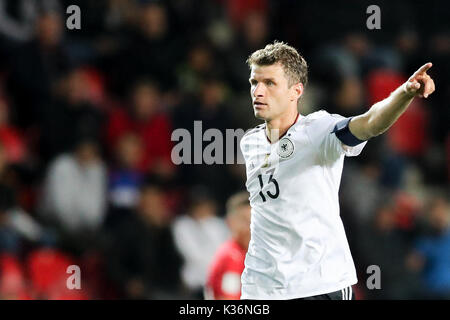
<point>344,294</point>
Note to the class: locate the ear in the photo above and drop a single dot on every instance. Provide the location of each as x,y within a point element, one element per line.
<point>297,91</point>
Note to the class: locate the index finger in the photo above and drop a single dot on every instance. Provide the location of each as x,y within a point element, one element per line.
<point>423,68</point>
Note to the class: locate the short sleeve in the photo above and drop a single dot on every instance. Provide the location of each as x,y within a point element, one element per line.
<point>320,129</point>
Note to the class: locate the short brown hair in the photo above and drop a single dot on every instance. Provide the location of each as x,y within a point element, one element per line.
<point>237,200</point>
<point>294,65</point>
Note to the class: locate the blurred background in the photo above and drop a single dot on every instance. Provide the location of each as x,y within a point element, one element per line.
<point>86,117</point>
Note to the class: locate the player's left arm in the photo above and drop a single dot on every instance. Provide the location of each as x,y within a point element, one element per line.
<point>383,114</point>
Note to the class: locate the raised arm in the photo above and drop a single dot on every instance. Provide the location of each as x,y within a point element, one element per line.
<point>382,115</point>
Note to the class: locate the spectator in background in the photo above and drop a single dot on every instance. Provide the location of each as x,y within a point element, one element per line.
<point>17,18</point>
<point>10,137</point>
<point>69,116</point>
<point>17,227</point>
<point>13,282</point>
<point>224,274</point>
<point>381,244</point>
<point>360,188</point>
<point>348,98</point>
<point>339,76</point>
<point>141,256</point>
<point>199,63</point>
<point>10,240</point>
<point>51,90</point>
<point>407,44</point>
<point>4,163</point>
<point>251,35</point>
<point>431,256</point>
<point>125,177</point>
<point>36,66</point>
<point>210,107</point>
<point>17,23</point>
<point>197,236</point>
<point>74,194</point>
<point>146,118</point>
<point>151,50</point>
<point>239,10</point>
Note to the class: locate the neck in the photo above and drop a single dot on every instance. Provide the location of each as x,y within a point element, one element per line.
<point>242,243</point>
<point>277,127</point>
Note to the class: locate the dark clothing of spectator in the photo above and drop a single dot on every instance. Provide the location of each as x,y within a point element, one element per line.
<point>34,72</point>
<point>142,57</point>
<point>217,177</point>
<point>145,253</point>
<point>388,250</point>
<point>64,124</point>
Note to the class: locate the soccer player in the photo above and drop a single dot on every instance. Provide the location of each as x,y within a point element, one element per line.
<point>224,276</point>
<point>298,247</point>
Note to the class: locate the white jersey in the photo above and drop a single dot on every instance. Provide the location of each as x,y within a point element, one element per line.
<point>298,246</point>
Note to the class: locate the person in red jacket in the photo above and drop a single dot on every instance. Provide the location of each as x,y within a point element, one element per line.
<point>224,275</point>
<point>145,118</point>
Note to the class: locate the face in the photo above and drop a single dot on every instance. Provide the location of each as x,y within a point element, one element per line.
<point>145,101</point>
<point>129,150</point>
<point>239,224</point>
<point>200,59</point>
<point>385,219</point>
<point>49,29</point>
<point>255,28</point>
<point>204,209</point>
<point>77,89</point>
<point>87,153</point>
<point>439,214</point>
<point>271,95</point>
<point>152,206</point>
<point>212,94</point>
<point>154,21</point>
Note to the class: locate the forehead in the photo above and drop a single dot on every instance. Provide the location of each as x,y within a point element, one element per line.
<point>275,71</point>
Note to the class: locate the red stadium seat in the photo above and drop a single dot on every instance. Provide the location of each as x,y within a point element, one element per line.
<point>47,271</point>
<point>12,279</point>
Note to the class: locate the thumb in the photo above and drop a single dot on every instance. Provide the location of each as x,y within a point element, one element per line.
<point>411,87</point>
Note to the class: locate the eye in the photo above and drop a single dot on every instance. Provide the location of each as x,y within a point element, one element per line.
<point>270,83</point>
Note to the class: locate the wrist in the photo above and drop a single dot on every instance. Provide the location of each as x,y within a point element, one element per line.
<point>407,93</point>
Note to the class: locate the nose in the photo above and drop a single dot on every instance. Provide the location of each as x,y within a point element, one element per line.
<point>259,90</point>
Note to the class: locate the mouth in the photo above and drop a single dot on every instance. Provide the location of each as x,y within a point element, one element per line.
<point>259,105</point>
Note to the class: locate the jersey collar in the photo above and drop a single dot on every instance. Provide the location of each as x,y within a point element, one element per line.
<point>295,121</point>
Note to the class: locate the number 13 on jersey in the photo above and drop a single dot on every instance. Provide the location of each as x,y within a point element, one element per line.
<point>271,180</point>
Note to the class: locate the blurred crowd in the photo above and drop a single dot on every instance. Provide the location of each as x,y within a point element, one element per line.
<point>86,118</point>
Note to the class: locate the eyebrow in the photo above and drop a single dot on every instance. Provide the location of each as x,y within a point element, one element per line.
<point>265,79</point>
